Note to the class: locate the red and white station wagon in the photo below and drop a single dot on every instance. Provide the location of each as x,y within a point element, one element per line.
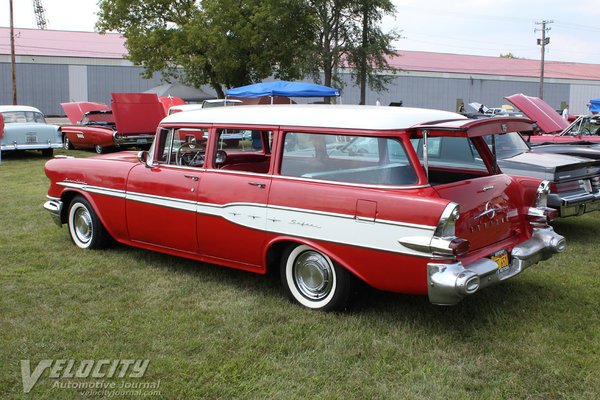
<point>326,194</point>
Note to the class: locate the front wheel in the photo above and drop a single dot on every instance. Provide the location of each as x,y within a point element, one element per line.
<point>85,227</point>
<point>312,280</point>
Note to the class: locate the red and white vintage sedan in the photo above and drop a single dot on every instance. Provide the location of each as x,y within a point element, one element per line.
<point>131,122</point>
<point>326,194</point>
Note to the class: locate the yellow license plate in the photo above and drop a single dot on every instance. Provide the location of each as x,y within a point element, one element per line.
<point>501,258</point>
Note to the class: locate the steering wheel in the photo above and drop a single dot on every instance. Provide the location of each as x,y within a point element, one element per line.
<point>189,155</point>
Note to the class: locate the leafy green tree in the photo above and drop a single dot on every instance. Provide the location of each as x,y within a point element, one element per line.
<point>369,55</point>
<point>226,43</point>
<point>348,34</point>
<point>508,55</point>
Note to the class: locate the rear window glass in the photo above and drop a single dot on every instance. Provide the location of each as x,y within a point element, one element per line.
<point>450,152</point>
<point>345,158</point>
<point>12,117</point>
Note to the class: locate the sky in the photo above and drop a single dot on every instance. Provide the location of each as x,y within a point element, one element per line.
<point>476,27</point>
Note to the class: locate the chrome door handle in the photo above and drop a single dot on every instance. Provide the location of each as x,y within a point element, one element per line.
<point>192,177</point>
<point>257,184</point>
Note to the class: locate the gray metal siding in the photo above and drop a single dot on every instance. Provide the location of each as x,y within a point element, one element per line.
<point>39,85</point>
<point>441,93</point>
<point>104,80</point>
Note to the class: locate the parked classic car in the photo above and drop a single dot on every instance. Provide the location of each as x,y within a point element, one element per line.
<point>25,128</point>
<point>333,194</point>
<point>132,122</point>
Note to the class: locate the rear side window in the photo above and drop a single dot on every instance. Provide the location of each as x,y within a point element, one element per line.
<point>450,152</point>
<point>346,158</point>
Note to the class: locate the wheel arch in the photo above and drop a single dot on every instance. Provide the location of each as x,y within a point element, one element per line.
<point>67,197</point>
<point>276,247</point>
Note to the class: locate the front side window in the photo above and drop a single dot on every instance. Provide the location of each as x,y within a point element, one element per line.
<point>182,146</point>
<point>346,158</point>
<point>247,150</point>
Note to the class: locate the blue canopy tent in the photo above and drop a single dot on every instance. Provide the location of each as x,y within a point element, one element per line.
<point>283,89</point>
<point>595,106</point>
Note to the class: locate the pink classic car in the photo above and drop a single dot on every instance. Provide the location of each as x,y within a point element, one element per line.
<point>131,122</point>
<point>326,195</point>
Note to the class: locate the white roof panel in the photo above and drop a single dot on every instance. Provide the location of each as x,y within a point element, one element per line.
<point>315,115</point>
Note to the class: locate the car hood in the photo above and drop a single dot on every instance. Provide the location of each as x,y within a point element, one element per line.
<point>76,110</point>
<point>137,113</point>
<point>548,166</point>
<point>536,109</point>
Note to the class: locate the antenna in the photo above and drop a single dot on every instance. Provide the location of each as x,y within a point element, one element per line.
<point>40,16</point>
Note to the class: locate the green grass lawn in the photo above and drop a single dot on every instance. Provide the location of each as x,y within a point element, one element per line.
<point>213,332</point>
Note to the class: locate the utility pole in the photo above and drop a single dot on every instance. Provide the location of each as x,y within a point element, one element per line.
<point>543,42</point>
<point>12,55</point>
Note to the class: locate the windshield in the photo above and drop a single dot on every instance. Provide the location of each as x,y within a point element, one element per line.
<point>584,126</point>
<point>508,145</point>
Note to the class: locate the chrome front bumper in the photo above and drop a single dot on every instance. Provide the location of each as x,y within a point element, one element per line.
<point>54,207</point>
<point>449,283</point>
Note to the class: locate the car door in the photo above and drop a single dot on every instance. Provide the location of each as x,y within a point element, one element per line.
<point>161,199</point>
<point>233,196</point>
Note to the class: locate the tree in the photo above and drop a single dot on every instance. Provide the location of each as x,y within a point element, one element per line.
<point>369,55</point>
<point>217,42</point>
<point>347,34</point>
<point>508,55</point>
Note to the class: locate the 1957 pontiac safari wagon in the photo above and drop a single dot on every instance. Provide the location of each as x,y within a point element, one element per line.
<point>326,194</point>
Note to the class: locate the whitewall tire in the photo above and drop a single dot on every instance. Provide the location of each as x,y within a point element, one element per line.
<point>85,227</point>
<point>313,280</point>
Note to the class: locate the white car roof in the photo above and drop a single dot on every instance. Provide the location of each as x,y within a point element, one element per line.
<point>18,108</point>
<point>315,115</point>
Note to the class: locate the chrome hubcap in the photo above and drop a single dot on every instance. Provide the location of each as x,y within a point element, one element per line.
<point>313,275</point>
<point>83,224</point>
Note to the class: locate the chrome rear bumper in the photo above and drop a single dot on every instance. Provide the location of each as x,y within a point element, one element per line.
<point>449,283</point>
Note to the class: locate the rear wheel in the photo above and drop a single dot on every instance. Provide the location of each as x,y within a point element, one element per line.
<point>67,144</point>
<point>85,227</point>
<point>99,148</point>
<point>313,280</point>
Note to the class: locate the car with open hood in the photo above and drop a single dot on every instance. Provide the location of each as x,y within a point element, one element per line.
<point>131,120</point>
<point>25,128</point>
<point>552,127</point>
<point>325,195</point>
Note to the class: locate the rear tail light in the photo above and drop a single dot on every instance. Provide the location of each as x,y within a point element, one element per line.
<point>459,246</point>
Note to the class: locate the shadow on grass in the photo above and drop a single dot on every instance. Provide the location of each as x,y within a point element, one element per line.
<point>479,315</point>
<point>578,229</point>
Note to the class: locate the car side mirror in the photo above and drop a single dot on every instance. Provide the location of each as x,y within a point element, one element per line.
<point>142,157</point>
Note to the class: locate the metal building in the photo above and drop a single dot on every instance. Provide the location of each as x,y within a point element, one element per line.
<point>53,67</point>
